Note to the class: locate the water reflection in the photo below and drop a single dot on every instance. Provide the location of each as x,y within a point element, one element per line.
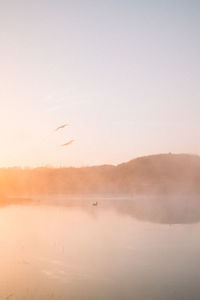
<point>79,251</point>
<point>158,209</point>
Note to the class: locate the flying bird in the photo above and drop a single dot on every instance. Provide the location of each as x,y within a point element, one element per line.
<point>62,126</point>
<point>68,143</point>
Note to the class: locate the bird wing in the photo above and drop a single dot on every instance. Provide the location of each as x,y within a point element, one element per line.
<point>68,143</point>
<point>58,128</point>
<point>62,126</point>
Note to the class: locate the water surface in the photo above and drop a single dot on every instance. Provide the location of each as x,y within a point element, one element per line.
<point>81,251</point>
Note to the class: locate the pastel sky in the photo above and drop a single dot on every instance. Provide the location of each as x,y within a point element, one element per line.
<point>125,74</point>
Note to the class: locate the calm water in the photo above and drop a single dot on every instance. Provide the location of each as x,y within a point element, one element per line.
<point>87,252</point>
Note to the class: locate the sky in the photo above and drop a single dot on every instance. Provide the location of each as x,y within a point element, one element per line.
<point>124,74</point>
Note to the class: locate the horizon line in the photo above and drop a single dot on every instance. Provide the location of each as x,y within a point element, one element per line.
<point>48,166</point>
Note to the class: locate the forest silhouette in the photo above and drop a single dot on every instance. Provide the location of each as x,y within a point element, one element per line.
<point>155,174</point>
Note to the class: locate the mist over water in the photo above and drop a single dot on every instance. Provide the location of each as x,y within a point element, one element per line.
<point>67,248</point>
<point>100,150</point>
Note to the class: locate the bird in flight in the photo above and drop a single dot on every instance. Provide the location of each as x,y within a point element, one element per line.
<point>62,126</point>
<point>68,143</point>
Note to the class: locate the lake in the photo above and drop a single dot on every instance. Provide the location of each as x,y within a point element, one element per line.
<point>61,248</point>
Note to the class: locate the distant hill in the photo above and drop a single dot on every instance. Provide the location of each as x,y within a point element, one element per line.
<point>164,173</point>
<point>155,174</point>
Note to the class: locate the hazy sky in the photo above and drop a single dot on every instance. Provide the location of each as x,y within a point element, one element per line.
<point>125,74</point>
